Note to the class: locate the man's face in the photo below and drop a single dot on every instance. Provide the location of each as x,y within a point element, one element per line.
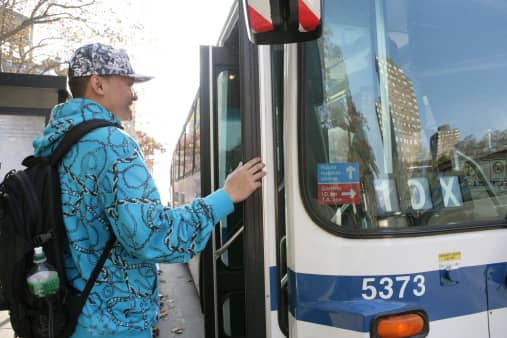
<point>119,95</point>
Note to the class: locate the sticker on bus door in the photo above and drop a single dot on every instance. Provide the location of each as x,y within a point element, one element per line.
<point>451,191</point>
<point>420,198</point>
<point>387,195</point>
<point>338,183</point>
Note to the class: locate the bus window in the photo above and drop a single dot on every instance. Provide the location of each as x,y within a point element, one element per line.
<point>197,147</point>
<point>403,116</point>
<point>174,166</point>
<point>181,156</point>
<point>189,145</point>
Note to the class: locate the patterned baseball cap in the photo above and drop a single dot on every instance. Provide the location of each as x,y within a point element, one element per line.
<point>103,60</point>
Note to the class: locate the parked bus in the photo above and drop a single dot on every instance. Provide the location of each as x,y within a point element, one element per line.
<point>383,213</point>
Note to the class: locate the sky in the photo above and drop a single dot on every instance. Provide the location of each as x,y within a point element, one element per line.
<point>169,50</point>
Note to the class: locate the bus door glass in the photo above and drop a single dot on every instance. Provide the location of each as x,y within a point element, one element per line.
<point>229,155</point>
<point>229,152</point>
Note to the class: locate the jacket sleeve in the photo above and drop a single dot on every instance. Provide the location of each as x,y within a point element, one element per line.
<point>144,227</point>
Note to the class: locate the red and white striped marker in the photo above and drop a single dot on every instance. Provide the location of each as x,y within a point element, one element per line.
<point>309,15</point>
<point>259,12</point>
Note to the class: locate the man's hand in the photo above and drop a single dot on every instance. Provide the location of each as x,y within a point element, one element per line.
<point>244,180</point>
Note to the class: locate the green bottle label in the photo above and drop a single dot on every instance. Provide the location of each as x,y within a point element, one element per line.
<point>45,285</point>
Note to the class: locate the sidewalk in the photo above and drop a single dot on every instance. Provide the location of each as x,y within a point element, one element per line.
<point>181,303</point>
<point>181,315</point>
<point>5,325</point>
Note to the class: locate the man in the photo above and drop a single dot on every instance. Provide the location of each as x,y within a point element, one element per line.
<point>106,186</point>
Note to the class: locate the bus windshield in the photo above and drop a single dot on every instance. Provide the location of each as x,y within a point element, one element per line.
<point>403,115</point>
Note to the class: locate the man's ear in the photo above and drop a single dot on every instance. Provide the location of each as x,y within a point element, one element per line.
<point>96,85</point>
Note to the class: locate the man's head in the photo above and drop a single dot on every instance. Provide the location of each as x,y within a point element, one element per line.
<point>102,73</point>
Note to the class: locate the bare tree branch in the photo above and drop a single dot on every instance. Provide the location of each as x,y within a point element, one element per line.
<point>71,7</point>
<point>36,8</point>
<point>41,43</point>
<point>44,18</point>
<point>18,19</point>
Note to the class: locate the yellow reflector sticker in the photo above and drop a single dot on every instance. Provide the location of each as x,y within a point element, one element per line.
<point>449,256</point>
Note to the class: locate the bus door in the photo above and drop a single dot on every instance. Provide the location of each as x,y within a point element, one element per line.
<point>221,266</point>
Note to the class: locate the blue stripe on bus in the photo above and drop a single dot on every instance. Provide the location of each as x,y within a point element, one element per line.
<point>273,280</point>
<point>337,300</point>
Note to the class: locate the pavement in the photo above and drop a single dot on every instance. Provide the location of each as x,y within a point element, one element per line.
<point>5,326</point>
<point>181,303</point>
<point>181,315</point>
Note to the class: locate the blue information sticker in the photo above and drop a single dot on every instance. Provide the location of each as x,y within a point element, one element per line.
<point>346,172</point>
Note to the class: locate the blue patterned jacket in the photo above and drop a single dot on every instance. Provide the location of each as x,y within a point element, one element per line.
<point>104,181</point>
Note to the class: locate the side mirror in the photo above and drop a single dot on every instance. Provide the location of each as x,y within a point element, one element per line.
<point>282,21</point>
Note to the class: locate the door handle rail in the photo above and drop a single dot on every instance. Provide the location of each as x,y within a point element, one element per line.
<point>219,252</point>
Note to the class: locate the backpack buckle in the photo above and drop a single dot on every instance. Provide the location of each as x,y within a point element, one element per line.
<point>41,239</point>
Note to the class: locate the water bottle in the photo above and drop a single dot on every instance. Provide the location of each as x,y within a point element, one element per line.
<point>43,280</point>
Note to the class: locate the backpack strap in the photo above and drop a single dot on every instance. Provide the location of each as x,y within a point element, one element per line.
<point>78,300</point>
<point>95,273</point>
<point>70,138</point>
<point>75,133</point>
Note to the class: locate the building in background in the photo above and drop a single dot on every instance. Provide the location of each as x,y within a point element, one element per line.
<point>16,50</point>
<point>443,142</point>
<point>404,114</point>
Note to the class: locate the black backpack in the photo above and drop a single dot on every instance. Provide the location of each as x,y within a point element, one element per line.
<point>31,216</point>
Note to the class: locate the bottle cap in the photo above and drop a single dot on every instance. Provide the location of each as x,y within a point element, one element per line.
<point>38,255</point>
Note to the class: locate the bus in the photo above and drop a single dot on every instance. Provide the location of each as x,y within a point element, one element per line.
<point>384,130</point>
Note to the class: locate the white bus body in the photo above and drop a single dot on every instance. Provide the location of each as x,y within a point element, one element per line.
<point>385,143</point>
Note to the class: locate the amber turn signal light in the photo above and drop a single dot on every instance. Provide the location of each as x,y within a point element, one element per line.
<point>400,326</point>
